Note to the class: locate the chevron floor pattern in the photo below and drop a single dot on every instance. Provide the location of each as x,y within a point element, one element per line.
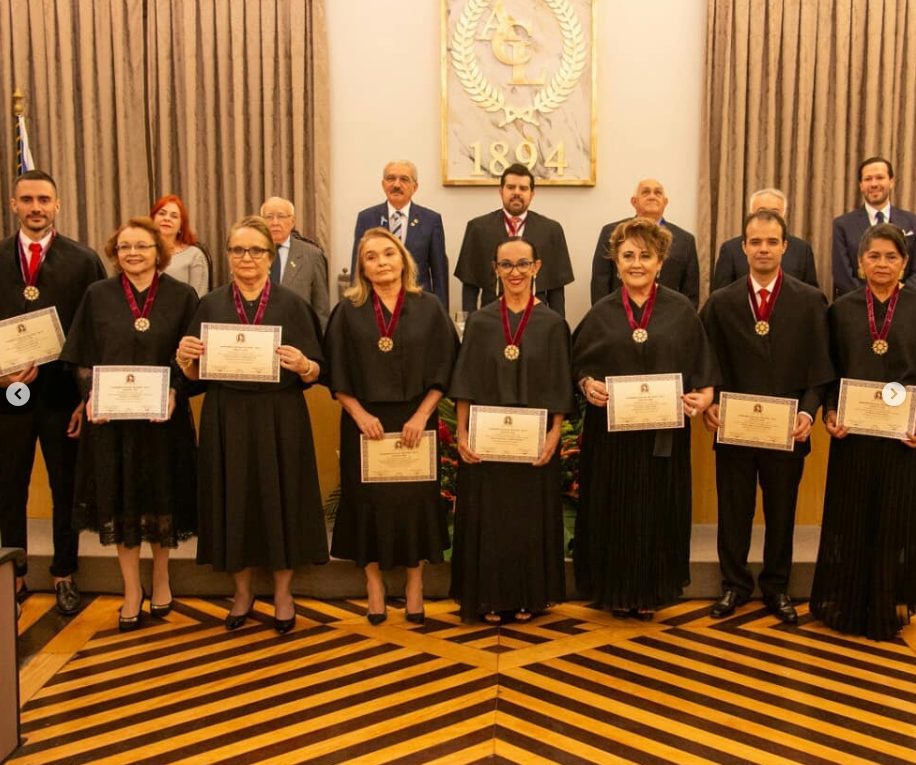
<point>574,686</point>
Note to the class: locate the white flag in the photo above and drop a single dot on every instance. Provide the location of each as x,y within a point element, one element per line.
<point>26,162</point>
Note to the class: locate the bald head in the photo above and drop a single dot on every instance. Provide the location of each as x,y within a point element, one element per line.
<point>649,200</point>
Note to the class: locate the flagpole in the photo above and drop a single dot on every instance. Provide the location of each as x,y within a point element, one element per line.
<point>17,138</point>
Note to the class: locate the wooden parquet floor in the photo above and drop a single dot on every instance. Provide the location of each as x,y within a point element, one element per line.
<point>574,686</point>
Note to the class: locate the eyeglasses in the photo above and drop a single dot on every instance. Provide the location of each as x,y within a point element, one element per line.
<point>277,217</point>
<point>522,266</point>
<point>238,253</point>
<point>402,178</point>
<point>140,247</point>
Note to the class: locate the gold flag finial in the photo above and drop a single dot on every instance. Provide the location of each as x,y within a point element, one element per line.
<point>17,103</point>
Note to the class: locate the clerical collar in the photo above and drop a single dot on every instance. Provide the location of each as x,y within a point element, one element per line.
<point>44,241</point>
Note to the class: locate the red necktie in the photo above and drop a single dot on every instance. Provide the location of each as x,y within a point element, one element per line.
<point>35,249</point>
<point>513,224</point>
<point>764,294</point>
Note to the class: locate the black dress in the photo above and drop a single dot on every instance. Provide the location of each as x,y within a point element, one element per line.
<point>392,524</point>
<point>258,492</point>
<point>632,543</point>
<point>508,551</point>
<point>865,578</point>
<point>136,480</point>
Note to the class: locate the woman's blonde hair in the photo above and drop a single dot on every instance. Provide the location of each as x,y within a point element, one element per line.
<point>361,288</point>
<point>258,224</point>
<point>163,256</point>
<point>655,238</point>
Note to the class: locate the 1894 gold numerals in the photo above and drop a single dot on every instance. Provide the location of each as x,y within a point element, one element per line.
<point>526,153</point>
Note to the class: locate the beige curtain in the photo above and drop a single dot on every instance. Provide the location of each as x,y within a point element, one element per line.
<point>798,92</point>
<point>223,102</point>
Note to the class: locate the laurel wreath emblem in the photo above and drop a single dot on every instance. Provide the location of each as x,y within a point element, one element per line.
<point>491,99</point>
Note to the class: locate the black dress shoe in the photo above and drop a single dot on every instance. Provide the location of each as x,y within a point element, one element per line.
<point>22,594</point>
<point>284,625</point>
<point>726,605</point>
<point>418,618</point>
<point>620,613</point>
<point>781,607</point>
<point>68,597</point>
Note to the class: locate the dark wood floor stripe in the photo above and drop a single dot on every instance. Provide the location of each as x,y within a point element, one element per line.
<point>702,611</point>
<point>197,698</point>
<point>714,643</point>
<point>238,703</point>
<point>783,724</point>
<point>716,683</point>
<point>40,634</point>
<point>445,748</point>
<point>631,753</point>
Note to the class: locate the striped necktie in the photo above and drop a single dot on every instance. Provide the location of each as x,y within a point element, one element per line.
<point>397,224</point>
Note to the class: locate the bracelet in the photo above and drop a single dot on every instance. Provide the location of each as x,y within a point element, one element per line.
<point>184,363</point>
<point>583,383</point>
<point>308,369</point>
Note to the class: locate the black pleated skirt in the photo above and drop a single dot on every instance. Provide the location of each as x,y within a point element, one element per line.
<point>508,551</point>
<point>258,493</point>
<point>865,579</point>
<point>632,542</point>
<point>392,524</point>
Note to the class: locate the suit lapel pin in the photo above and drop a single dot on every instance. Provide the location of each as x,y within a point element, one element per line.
<point>384,221</point>
<point>292,264</point>
<point>414,222</point>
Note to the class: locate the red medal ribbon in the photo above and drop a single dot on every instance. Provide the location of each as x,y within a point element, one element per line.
<point>517,338</point>
<point>262,305</point>
<point>387,330</point>
<point>763,314</point>
<point>132,301</point>
<point>888,318</point>
<point>646,314</point>
<point>30,271</point>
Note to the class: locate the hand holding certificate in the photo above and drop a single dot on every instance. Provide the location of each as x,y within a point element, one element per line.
<point>645,402</point>
<point>507,434</point>
<point>389,459</point>
<point>862,409</point>
<point>130,393</point>
<point>31,338</point>
<point>765,422</point>
<point>240,352</point>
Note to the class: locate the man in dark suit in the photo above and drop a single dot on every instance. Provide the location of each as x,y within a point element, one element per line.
<point>771,339</point>
<point>876,180</point>
<point>40,269</point>
<point>798,260</point>
<point>484,233</point>
<point>418,227</point>
<point>300,264</point>
<point>681,270</point>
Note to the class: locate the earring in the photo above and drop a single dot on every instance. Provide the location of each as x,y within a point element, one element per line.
<point>861,273</point>
<point>497,286</point>
<point>534,282</point>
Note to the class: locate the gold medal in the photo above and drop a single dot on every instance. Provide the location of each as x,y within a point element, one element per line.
<point>141,324</point>
<point>879,347</point>
<point>762,328</point>
<point>31,292</point>
<point>385,344</point>
<point>640,335</point>
<point>511,352</point>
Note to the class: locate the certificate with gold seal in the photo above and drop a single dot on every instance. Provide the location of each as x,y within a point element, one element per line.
<point>388,459</point>
<point>506,433</point>
<point>240,352</point>
<point>862,409</point>
<point>765,422</point>
<point>130,392</point>
<point>645,402</point>
<point>30,338</point>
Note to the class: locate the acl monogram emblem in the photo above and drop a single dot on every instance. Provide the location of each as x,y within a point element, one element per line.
<point>511,48</point>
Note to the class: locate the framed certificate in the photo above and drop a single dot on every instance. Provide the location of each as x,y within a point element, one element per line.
<point>766,422</point>
<point>645,402</point>
<point>863,410</point>
<point>389,460</point>
<point>130,392</point>
<point>240,352</point>
<point>30,338</point>
<point>507,434</point>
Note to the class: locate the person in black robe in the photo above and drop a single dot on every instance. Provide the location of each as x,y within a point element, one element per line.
<point>64,269</point>
<point>508,551</point>
<point>632,543</point>
<point>865,578</point>
<point>383,525</point>
<point>258,494</point>
<point>771,339</point>
<point>136,479</point>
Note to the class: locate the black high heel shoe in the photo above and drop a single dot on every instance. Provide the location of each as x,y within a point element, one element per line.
<point>376,619</point>
<point>234,621</point>
<point>418,618</point>
<point>160,611</point>
<point>131,623</point>
<point>284,625</point>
